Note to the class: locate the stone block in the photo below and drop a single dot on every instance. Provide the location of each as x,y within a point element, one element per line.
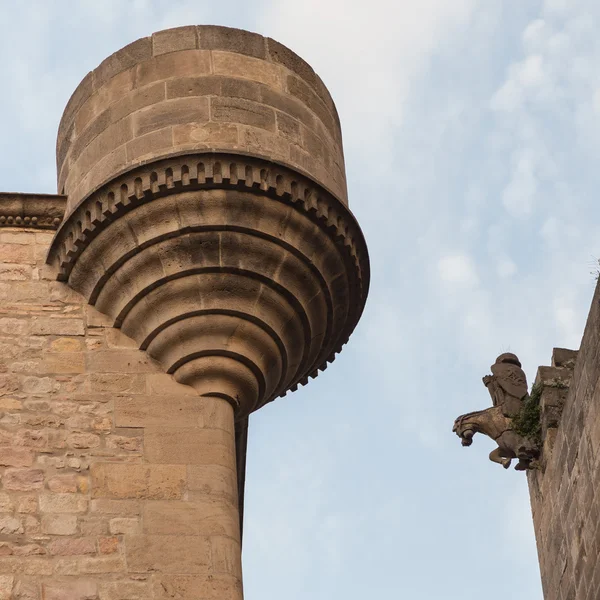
<point>117,480</point>
<point>23,480</point>
<point>226,555</point>
<point>288,127</point>
<point>104,144</point>
<point>150,145</point>
<point>125,590</point>
<point>194,134</point>
<point>83,440</point>
<point>173,40</point>
<point>189,446</point>
<point>11,326</point>
<point>126,443</point>
<point>306,94</point>
<point>230,64</point>
<point>180,411</point>
<point>232,87</point>
<point>562,357</point>
<point>102,564</point>
<point>163,384</point>
<point>13,272</point>
<point>69,589</point>
<point>104,506</point>
<point>289,106</point>
<point>137,100</point>
<point>88,130</point>
<point>115,338</point>
<point>187,63</point>
<point>215,37</point>
<point>191,518</point>
<point>10,525</point>
<point>171,112</point>
<point>27,504</point>
<point>72,546</point>
<point>120,361</point>
<point>245,112</point>
<point>39,385</point>
<point>62,363</point>
<point>6,586</point>
<point>124,526</point>
<point>9,384</point>
<point>16,457</point>
<point>117,383</point>
<point>16,253</point>
<point>108,545</point>
<point>66,344</point>
<point>63,503</point>
<point>56,326</point>
<point>127,57</point>
<point>184,87</point>
<point>264,142</point>
<point>213,481</point>
<point>280,54</point>
<point>59,524</point>
<point>168,554</point>
<point>187,587</point>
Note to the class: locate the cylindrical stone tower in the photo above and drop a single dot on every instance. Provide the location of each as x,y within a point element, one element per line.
<point>207,217</point>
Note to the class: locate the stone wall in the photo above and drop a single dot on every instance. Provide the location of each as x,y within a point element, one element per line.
<point>205,216</point>
<point>105,461</point>
<point>199,88</point>
<point>565,496</point>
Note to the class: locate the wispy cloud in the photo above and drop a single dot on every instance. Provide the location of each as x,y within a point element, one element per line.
<point>471,130</point>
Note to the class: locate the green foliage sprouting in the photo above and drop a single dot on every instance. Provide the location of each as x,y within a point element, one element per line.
<point>528,422</point>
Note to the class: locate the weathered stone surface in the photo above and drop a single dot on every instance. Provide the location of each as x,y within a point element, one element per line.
<point>23,480</point>
<point>59,524</point>
<point>564,503</point>
<point>168,553</point>
<point>68,589</point>
<point>63,503</point>
<point>185,587</point>
<point>114,480</point>
<point>190,518</point>
<point>6,586</point>
<point>125,392</point>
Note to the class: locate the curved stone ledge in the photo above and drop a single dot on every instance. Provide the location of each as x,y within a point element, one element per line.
<point>205,171</point>
<point>240,276</point>
<point>41,211</point>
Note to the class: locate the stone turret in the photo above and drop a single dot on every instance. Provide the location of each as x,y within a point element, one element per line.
<point>207,219</point>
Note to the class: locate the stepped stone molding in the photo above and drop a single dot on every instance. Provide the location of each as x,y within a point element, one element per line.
<point>40,211</point>
<point>224,268</point>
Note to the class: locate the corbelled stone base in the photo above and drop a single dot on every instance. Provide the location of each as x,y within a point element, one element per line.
<point>240,277</point>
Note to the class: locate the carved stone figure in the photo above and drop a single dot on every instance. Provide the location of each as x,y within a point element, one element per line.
<point>508,388</point>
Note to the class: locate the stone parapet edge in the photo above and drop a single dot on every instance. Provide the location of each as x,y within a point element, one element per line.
<point>195,37</point>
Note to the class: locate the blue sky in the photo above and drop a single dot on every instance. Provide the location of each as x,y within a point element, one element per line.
<point>471,131</point>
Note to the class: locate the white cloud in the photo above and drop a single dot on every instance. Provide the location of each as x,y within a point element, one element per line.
<point>458,269</point>
<point>506,267</point>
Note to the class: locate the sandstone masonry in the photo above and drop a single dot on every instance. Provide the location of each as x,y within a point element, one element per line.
<point>199,261</point>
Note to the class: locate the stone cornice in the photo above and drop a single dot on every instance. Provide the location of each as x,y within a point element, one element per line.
<point>41,211</point>
<point>221,170</point>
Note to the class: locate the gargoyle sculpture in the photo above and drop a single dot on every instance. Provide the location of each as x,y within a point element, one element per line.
<point>508,388</point>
